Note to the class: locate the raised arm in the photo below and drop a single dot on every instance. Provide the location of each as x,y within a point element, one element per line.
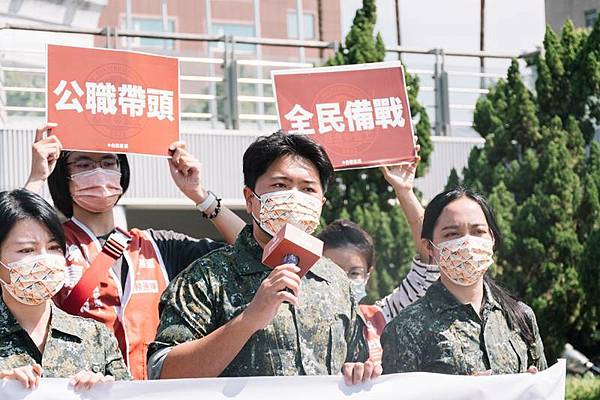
<point>401,178</point>
<point>186,172</point>
<point>45,151</point>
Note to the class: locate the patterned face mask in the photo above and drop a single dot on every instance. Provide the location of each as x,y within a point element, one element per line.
<point>35,279</point>
<point>466,259</point>
<point>288,207</point>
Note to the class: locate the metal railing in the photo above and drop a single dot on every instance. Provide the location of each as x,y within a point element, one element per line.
<point>225,88</point>
<point>221,152</point>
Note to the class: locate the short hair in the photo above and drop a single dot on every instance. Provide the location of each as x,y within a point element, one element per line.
<point>58,182</point>
<point>342,233</point>
<point>266,149</point>
<point>21,204</point>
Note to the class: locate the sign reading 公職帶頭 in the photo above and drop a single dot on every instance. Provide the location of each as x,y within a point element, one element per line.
<point>358,113</point>
<point>112,100</point>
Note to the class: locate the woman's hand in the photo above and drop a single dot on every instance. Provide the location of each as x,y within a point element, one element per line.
<point>28,375</point>
<point>402,176</point>
<point>85,380</point>
<point>45,152</point>
<point>356,373</point>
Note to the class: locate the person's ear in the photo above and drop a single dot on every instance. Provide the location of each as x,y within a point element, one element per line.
<point>323,200</point>
<point>369,271</point>
<point>248,196</point>
<point>427,244</point>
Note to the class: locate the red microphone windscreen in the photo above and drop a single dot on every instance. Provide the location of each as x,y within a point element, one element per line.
<point>291,240</point>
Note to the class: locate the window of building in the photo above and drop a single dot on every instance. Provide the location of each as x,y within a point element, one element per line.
<point>292,26</point>
<point>590,17</point>
<point>244,30</point>
<point>150,24</point>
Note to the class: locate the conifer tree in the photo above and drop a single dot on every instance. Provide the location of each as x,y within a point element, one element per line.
<point>364,196</point>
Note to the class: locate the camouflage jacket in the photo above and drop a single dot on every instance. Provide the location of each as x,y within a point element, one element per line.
<point>315,338</point>
<point>73,344</point>
<point>439,334</point>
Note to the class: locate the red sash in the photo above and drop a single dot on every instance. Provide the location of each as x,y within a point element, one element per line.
<point>374,324</point>
<point>131,314</point>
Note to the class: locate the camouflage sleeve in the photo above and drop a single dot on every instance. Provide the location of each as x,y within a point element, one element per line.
<point>115,366</point>
<point>535,353</point>
<point>358,349</point>
<point>186,309</point>
<point>400,348</point>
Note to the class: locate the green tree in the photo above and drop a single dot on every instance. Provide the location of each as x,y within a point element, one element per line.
<point>364,196</point>
<point>541,172</point>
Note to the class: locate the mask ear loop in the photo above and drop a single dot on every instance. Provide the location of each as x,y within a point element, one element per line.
<point>270,236</point>
<point>2,282</point>
<point>432,260</point>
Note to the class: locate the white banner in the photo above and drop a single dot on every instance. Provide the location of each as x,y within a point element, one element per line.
<point>547,385</point>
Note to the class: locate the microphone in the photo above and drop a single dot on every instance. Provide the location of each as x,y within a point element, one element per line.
<point>292,245</point>
<point>577,362</point>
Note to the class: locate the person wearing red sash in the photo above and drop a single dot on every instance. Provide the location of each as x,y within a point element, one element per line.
<point>117,277</point>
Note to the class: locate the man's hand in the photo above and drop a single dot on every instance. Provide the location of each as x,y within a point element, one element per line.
<point>271,293</point>
<point>186,171</point>
<point>28,375</point>
<point>44,155</point>
<point>356,373</point>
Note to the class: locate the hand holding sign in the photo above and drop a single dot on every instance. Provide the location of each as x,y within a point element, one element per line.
<point>45,152</point>
<point>186,172</point>
<point>358,113</point>
<point>402,176</point>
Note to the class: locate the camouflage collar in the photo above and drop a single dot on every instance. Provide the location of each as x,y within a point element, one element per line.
<point>59,320</point>
<point>8,323</point>
<point>248,253</point>
<point>249,257</point>
<point>63,322</point>
<point>442,300</point>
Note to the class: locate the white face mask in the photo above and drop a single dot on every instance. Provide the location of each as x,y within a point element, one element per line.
<point>288,207</point>
<point>465,260</point>
<point>35,279</point>
<point>359,289</point>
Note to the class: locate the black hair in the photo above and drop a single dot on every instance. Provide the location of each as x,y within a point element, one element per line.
<point>513,310</point>
<point>266,149</point>
<point>20,204</point>
<point>342,233</point>
<point>58,182</point>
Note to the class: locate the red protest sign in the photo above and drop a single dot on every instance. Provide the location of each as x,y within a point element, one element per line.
<point>112,101</point>
<point>358,113</point>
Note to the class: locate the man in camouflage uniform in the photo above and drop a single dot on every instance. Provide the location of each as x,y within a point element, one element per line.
<point>439,334</point>
<point>230,315</point>
<point>74,344</point>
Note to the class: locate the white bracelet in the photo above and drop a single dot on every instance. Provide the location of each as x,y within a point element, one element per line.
<point>205,205</point>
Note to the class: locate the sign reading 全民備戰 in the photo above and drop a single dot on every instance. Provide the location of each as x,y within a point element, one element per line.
<point>358,113</point>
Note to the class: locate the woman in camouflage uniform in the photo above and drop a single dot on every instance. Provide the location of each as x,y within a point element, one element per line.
<point>37,338</point>
<point>465,324</point>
